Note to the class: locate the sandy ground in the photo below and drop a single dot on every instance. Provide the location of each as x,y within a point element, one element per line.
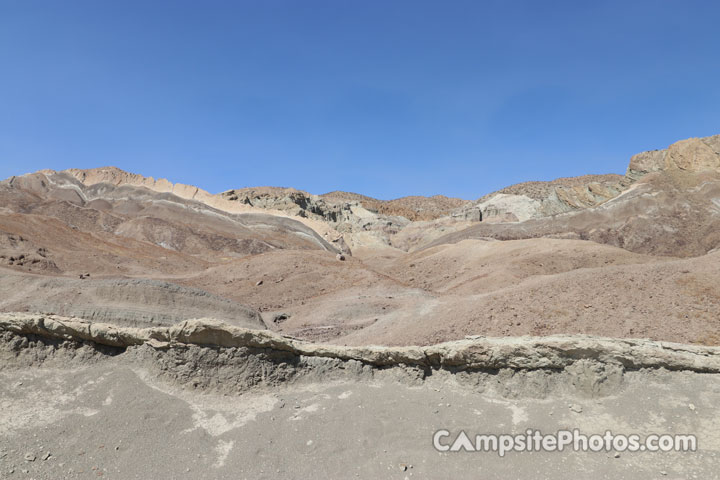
<point>129,302</point>
<point>114,420</point>
<point>478,287</point>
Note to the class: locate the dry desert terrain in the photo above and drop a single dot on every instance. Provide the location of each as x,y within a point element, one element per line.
<point>156,330</point>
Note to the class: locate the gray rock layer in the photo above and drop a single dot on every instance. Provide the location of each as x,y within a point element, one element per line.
<point>475,353</point>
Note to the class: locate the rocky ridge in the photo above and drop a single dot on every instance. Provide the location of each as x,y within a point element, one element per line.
<point>57,205</point>
<point>351,220</point>
<point>523,353</point>
<point>692,155</point>
<point>671,207</point>
<point>409,222</point>
<point>525,201</point>
<point>357,225</point>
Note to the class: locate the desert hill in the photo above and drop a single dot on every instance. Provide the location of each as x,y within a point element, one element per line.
<point>671,208</point>
<point>141,319</point>
<point>629,256</point>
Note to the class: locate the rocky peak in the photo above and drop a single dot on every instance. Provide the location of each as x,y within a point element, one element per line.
<point>691,155</point>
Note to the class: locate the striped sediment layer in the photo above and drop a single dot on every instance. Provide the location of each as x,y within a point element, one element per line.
<point>473,353</point>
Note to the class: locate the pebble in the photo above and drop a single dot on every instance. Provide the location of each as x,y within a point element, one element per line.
<point>46,456</point>
<point>575,408</point>
<point>30,457</point>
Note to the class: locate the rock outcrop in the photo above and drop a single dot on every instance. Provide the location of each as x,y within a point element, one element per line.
<point>691,155</point>
<point>358,225</point>
<point>479,353</point>
<point>414,208</point>
<point>117,177</point>
<point>19,252</point>
<point>361,221</point>
<point>524,201</point>
<point>667,204</point>
<point>342,221</point>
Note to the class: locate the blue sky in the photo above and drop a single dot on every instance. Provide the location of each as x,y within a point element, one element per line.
<point>385,98</point>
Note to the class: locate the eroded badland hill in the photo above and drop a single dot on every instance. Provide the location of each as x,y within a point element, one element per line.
<point>156,330</point>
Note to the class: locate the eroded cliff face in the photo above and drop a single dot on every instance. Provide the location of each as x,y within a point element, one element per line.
<point>691,155</point>
<point>245,402</point>
<point>117,177</point>
<point>525,201</point>
<point>667,204</point>
<point>555,352</point>
<point>357,225</point>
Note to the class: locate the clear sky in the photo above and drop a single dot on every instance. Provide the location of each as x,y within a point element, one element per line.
<point>386,98</point>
